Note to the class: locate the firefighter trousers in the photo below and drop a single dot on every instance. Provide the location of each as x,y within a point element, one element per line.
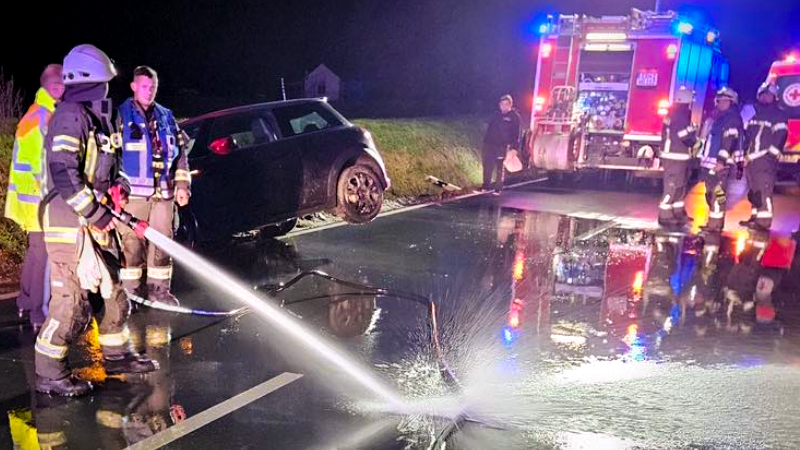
<point>71,312</point>
<point>141,255</point>
<point>716,198</point>
<point>672,208</point>
<point>761,173</point>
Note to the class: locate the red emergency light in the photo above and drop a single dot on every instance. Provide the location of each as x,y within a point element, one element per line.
<point>539,103</point>
<point>546,50</point>
<point>672,51</point>
<point>663,107</point>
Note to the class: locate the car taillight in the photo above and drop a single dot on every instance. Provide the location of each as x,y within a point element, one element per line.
<point>222,146</point>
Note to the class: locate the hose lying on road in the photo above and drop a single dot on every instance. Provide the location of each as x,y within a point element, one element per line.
<point>182,310</point>
<point>445,370</point>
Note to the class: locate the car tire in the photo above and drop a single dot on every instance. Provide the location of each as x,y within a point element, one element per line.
<point>359,194</point>
<point>278,229</point>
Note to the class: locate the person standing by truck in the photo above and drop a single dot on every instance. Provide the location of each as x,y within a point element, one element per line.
<point>502,135</point>
<point>721,149</point>
<point>765,136</point>
<point>679,142</point>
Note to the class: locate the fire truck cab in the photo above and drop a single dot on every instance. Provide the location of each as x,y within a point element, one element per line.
<point>604,84</point>
<point>786,75</point>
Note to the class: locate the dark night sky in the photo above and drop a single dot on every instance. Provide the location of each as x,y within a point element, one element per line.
<point>448,50</point>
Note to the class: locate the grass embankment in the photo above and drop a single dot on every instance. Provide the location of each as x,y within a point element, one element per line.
<point>448,149</point>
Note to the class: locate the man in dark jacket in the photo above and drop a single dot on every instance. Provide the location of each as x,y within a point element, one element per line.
<point>502,135</point>
<point>765,135</point>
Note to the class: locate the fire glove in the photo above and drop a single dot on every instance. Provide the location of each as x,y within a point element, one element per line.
<point>119,197</point>
<point>719,196</point>
<point>92,271</point>
<point>140,228</point>
<point>695,149</point>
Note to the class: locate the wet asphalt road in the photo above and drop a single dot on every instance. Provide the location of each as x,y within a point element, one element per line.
<point>568,321</point>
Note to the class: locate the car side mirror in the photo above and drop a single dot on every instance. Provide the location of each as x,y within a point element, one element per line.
<point>222,146</point>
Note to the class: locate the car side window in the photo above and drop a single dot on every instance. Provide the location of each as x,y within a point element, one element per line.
<point>294,120</point>
<point>241,130</point>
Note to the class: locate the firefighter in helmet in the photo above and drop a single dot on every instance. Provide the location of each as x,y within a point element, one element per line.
<point>679,145</point>
<point>765,135</point>
<point>721,151</point>
<point>82,148</point>
<point>155,160</point>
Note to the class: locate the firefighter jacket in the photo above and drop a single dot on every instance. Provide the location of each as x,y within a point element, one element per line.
<point>83,162</point>
<point>154,151</point>
<point>678,134</point>
<point>723,145</point>
<point>27,161</point>
<point>766,132</point>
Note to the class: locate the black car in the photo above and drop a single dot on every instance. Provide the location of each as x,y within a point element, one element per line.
<point>262,166</point>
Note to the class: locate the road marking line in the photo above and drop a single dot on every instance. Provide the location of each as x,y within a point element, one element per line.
<point>215,412</point>
<point>407,209</point>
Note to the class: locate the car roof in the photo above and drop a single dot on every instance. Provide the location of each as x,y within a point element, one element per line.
<point>253,107</point>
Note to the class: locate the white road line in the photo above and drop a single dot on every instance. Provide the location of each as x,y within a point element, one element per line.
<point>215,412</point>
<point>407,209</point>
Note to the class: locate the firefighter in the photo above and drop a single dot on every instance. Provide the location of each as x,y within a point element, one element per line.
<point>24,194</point>
<point>721,150</point>
<point>82,148</point>
<point>155,160</point>
<point>502,135</point>
<point>679,144</point>
<point>765,136</point>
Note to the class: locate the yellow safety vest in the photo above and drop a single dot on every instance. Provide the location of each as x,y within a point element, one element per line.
<point>25,176</point>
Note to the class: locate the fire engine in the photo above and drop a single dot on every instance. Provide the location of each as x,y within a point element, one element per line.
<point>604,84</point>
<point>786,75</point>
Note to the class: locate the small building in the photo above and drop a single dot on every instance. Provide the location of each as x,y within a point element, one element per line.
<point>322,82</point>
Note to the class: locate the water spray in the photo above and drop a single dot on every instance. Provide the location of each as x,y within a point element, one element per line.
<point>273,314</point>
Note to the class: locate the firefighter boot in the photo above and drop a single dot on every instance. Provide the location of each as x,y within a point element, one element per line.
<point>66,387</point>
<point>129,363</point>
<point>162,294</point>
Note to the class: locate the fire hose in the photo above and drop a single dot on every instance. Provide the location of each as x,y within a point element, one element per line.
<point>445,370</point>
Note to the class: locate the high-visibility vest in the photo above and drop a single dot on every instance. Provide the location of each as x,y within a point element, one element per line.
<point>27,161</point>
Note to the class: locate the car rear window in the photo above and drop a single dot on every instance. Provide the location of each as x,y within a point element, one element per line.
<point>245,129</point>
<point>294,120</point>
